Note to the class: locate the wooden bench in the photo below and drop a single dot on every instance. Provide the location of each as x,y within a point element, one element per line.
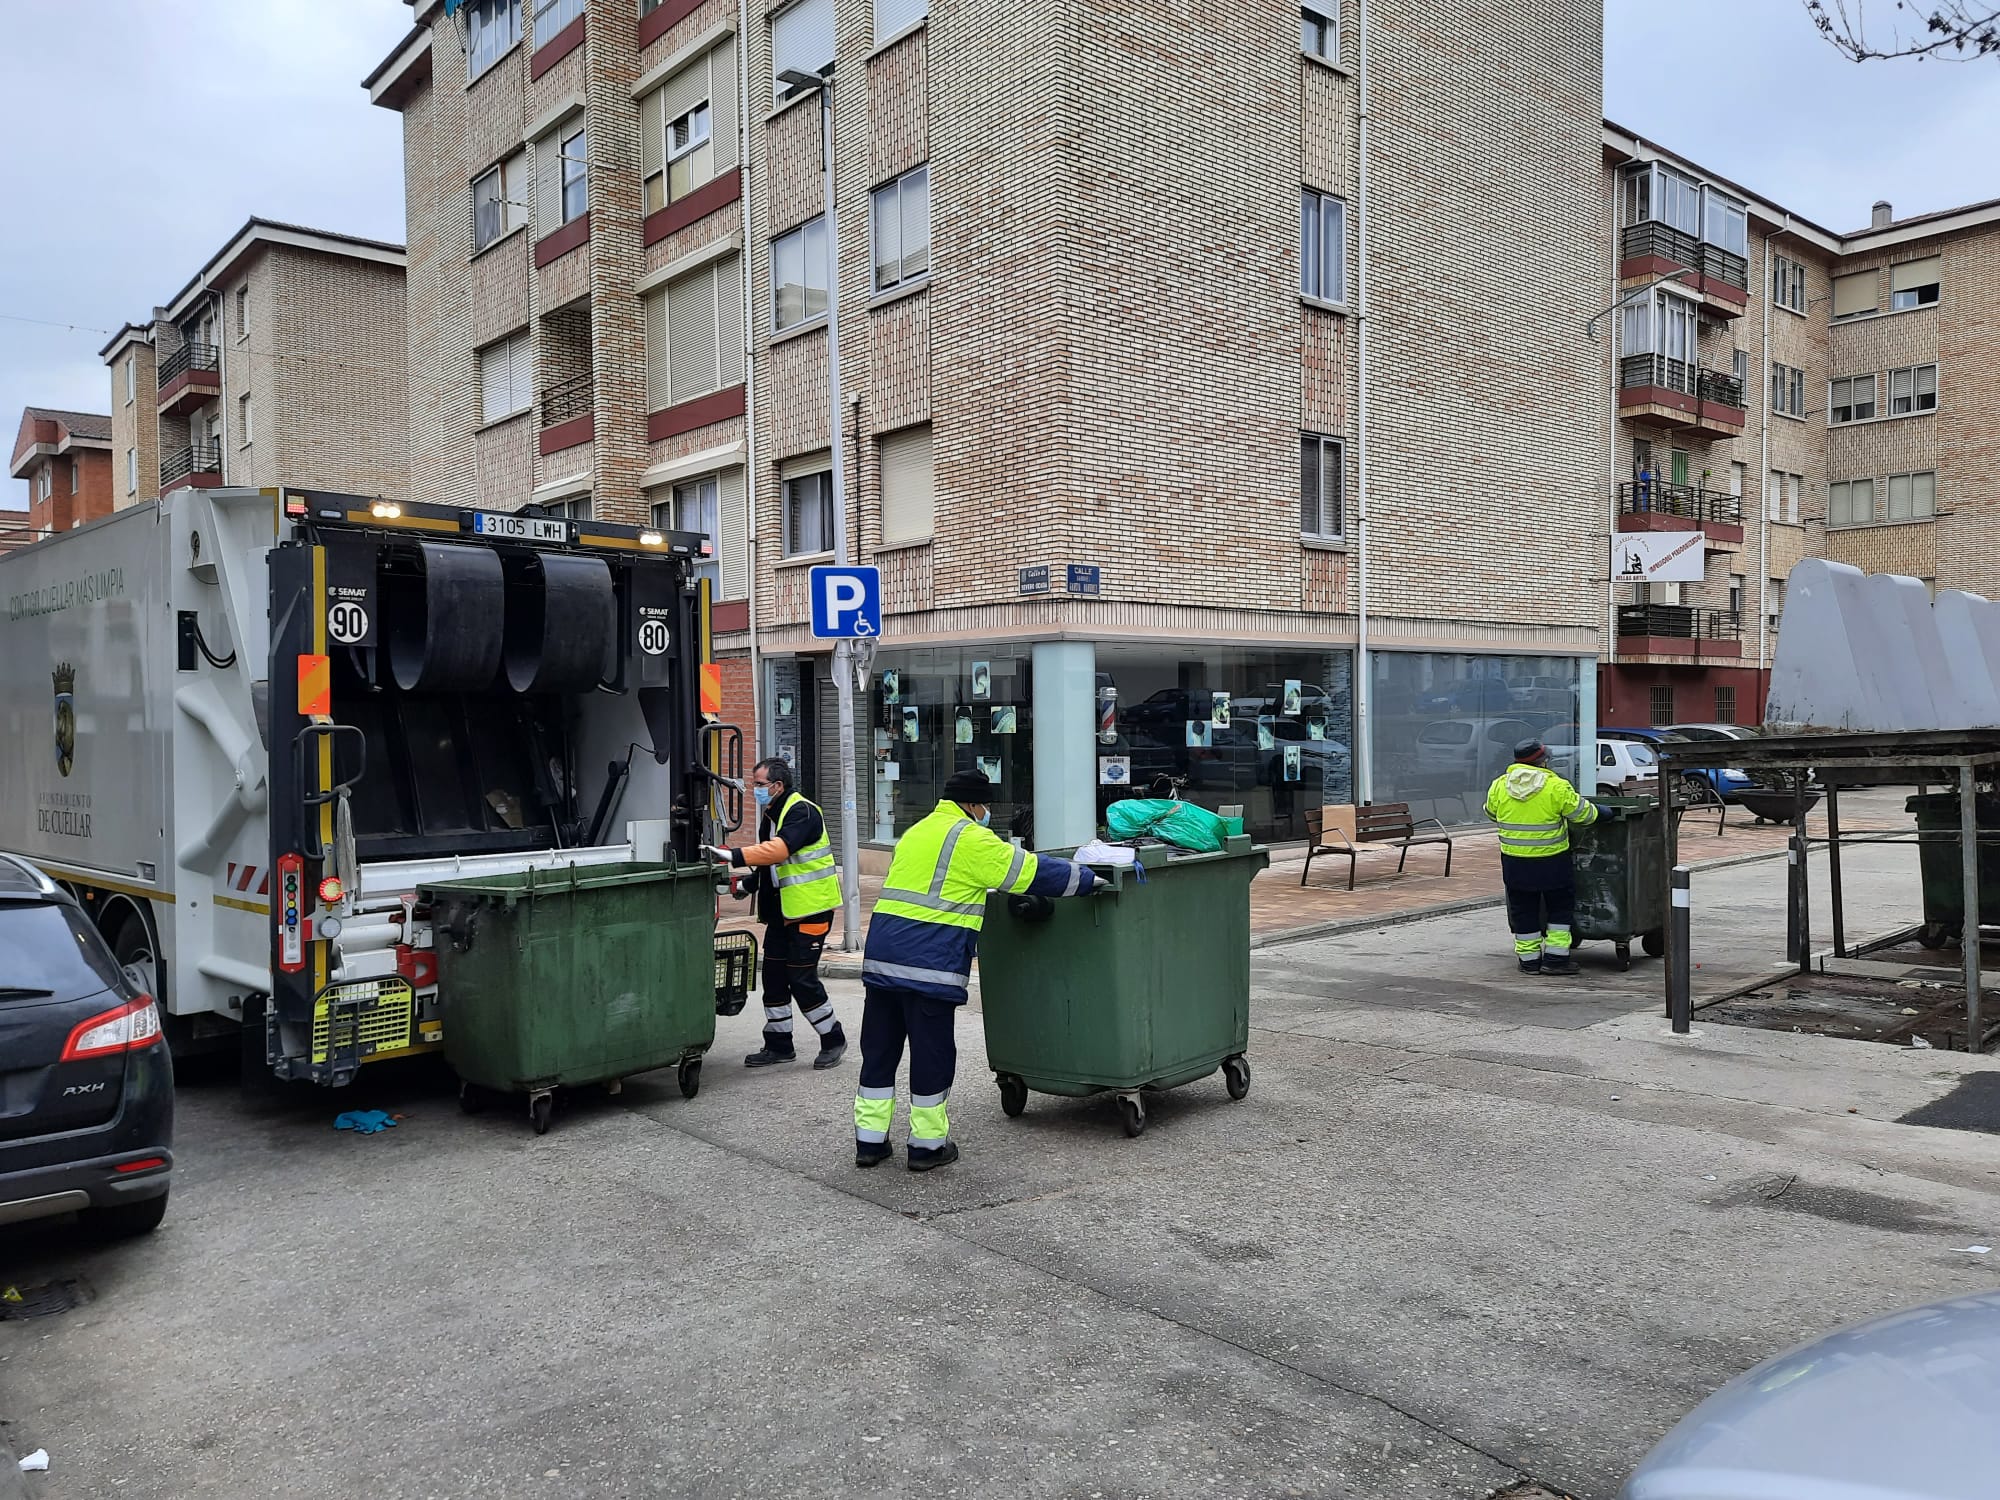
<point>1374,823</point>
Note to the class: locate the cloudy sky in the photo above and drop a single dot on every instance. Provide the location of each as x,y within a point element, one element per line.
<point>149,130</point>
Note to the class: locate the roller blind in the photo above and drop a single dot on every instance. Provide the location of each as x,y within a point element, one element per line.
<point>729,318</point>
<point>1912,274</point>
<point>691,335</point>
<point>907,485</point>
<point>1854,294</point>
<point>685,89</point>
<point>656,351</point>
<point>652,134</point>
<point>733,546</point>
<point>722,102</point>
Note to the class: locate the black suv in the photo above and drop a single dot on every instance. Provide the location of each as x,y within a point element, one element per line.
<point>86,1087</point>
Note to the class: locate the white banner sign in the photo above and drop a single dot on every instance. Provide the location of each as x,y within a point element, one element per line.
<point>1657,557</point>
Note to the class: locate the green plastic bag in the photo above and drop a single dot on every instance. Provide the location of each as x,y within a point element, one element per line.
<point>1181,824</point>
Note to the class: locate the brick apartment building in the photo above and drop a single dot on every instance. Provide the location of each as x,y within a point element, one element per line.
<point>1106,427</point>
<point>281,361</point>
<point>65,457</point>
<point>1792,392</point>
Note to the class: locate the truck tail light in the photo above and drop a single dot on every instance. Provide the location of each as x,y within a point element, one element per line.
<point>126,1029</point>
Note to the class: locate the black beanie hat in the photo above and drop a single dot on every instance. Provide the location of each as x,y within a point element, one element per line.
<point>969,786</point>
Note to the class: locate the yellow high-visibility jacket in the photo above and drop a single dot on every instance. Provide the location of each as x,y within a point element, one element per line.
<point>1535,809</point>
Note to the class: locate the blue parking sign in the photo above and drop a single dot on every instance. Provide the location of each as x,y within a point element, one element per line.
<point>846,602</point>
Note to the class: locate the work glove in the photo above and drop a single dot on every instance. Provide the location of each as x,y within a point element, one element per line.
<point>717,851</point>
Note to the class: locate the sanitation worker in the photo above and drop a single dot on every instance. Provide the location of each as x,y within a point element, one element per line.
<point>918,961</point>
<point>797,890</point>
<point>1536,809</point>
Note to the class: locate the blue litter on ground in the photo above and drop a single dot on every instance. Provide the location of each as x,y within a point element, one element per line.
<point>365,1121</point>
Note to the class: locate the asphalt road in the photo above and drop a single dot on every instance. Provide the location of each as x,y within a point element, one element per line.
<point>1459,1233</point>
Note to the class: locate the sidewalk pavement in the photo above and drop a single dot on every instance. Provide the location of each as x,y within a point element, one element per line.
<point>1283,911</point>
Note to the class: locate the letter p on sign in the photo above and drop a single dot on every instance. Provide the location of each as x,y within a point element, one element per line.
<point>846,602</point>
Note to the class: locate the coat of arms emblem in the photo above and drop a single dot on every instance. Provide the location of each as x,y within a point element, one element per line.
<point>65,679</point>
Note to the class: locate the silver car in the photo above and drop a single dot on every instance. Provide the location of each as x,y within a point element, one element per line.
<point>1906,1407</point>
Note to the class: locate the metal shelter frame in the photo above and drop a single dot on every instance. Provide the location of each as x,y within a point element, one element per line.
<point>1954,758</point>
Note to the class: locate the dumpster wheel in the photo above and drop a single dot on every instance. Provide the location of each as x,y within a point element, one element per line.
<point>1935,935</point>
<point>690,1077</point>
<point>1236,1075</point>
<point>1013,1093</point>
<point>541,1110</point>
<point>1655,944</point>
<point>1132,1111</point>
<point>1624,957</point>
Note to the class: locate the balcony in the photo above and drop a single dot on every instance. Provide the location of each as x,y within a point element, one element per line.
<point>1650,250</point>
<point>1653,505</point>
<point>189,376</point>
<point>567,419</point>
<point>1679,393</point>
<point>1670,633</point>
<point>198,464</point>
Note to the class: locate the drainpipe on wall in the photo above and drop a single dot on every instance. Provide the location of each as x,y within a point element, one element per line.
<point>1616,321</point>
<point>1364,754</point>
<point>1764,481</point>
<point>757,694</point>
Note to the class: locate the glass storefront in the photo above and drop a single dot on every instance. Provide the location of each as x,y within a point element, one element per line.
<point>929,713</point>
<point>1444,725</point>
<point>1269,731</point>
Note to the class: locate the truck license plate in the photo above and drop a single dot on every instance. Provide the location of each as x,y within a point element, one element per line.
<point>519,528</point>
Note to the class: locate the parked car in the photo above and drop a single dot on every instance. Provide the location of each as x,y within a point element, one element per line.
<point>86,1086</point>
<point>1727,783</point>
<point>1625,760</point>
<point>1905,1407</point>
<point>1715,731</point>
<point>1472,750</point>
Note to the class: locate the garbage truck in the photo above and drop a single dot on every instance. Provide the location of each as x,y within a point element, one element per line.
<point>244,727</point>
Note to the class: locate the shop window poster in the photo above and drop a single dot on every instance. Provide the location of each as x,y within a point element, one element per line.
<point>1291,762</point>
<point>989,765</point>
<point>1200,734</point>
<point>1218,713</point>
<point>1295,698</point>
<point>892,686</point>
<point>1266,739</point>
<point>1315,729</point>
<point>963,729</point>
<point>982,681</point>
<point>1114,770</point>
<point>912,727</point>
<point>1003,719</point>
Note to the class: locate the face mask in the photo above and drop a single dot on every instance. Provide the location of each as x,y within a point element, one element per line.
<point>762,794</point>
<point>986,818</point>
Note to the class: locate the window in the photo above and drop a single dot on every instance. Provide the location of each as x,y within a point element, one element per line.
<point>1725,223</point>
<point>46,480</point>
<point>907,485</point>
<point>1657,192</point>
<point>801,41</point>
<point>679,149</point>
<point>696,506</point>
<point>1739,366</point>
<point>1912,390</point>
<point>506,377</point>
<point>903,230</point>
<point>1725,704</point>
<point>1794,486</point>
<point>242,421</point>
<point>1851,399</point>
<point>1738,473</point>
<point>492,27</point>
<point>1851,503</point>
<point>1735,594</point>
<point>808,513</point>
<point>552,15</point>
<point>498,203</point>
<point>1788,283</point>
<point>1781,496</point>
<point>1666,323</point>
<point>694,334</point>
<point>131,378</point>
<point>1322,487</point>
<point>798,275</point>
<point>574,152</point>
<point>1855,294</point>
<point>1660,703</point>
<point>1319,33</point>
<point>131,471</point>
<point>892,16</point>
<point>570,510</point>
<point>1788,390</point>
<point>243,312</point>
<point>1912,497</point>
<point>1322,247</point>
<point>75,475</point>
<point>1914,283</point>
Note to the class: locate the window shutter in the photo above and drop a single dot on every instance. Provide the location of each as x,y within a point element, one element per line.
<point>1854,294</point>
<point>722,103</point>
<point>809,463</point>
<point>494,392</point>
<point>524,371</point>
<point>548,183</point>
<point>657,398</point>
<point>729,318</point>
<point>652,134</point>
<point>684,90</point>
<point>908,487</point>
<point>691,336</point>
<point>733,546</point>
<point>1923,494</point>
<point>1912,274</point>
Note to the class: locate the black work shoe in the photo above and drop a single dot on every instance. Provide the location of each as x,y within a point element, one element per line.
<point>1531,966</point>
<point>830,1054</point>
<point>764,1057</point>
<point>922,1160</point>
<point>1563,965</point>
<point>872,1153</point>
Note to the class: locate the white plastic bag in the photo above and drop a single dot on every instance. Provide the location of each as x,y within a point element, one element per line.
<point>1097,852</point>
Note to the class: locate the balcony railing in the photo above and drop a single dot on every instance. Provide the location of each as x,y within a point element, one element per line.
<point>1651,238</point>
<point>1680,622</point>
<point>1716,387</point>
<point>189,356</point>
<point>1653,497</point>
<point>568,400</point>
<point>196,458</point>
<point>1720,388</point>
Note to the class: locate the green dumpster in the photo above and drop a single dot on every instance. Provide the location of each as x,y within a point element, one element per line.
<point>1145,985</point>
<point>1621,877</point>
<point>550,979</point>
<point>1940,862</point>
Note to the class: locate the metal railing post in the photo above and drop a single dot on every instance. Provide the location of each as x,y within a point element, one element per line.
<point>1680,985</point>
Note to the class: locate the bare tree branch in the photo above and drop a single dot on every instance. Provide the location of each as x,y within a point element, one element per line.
<point>1956,29</point>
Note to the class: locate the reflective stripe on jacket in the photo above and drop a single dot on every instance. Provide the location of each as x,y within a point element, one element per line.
<point>924,932</point>
<point>807,882</point>
<point>1535,809</point>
